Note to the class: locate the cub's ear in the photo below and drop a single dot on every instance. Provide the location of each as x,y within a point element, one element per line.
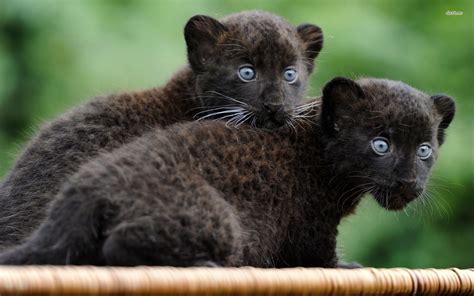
<point>312,37</point>
<point>446,108</point>
<point>340,98</point>
<point>201,34</point>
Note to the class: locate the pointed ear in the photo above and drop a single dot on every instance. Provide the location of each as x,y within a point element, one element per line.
<point>340,96</point>
<point>202,34</point>
<point>446,108</point>
<point>312,37</point>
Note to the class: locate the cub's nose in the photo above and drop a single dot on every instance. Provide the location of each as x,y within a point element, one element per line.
<point>407,183</point>
<point>408,187</point>
<point>272,107</point>
<point>275,115</point>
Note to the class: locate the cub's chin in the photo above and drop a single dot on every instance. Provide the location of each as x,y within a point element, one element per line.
<point>394,200</point>
<point>271,121</point>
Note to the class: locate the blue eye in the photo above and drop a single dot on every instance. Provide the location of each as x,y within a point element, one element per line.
<point>290,75</point>
<point>424,151</point>
<point>247,73</point>
<point>380,146</point>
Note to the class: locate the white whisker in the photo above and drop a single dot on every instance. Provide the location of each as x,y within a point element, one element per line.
<point>234,110</point>
<point>214,109</point>
<point>244,118</point>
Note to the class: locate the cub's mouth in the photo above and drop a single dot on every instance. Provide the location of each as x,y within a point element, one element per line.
<point>272,121</point>
<point>394,198</point>
<point>272,124</point>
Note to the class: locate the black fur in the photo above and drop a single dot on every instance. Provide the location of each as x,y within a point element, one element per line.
<point>203,193</point>
<point>210,85</point>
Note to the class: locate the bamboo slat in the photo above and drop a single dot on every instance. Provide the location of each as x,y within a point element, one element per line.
<point>88,280</point>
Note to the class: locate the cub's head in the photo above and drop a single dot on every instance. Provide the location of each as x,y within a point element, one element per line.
<point>252,66</point>
<point>384,136</point>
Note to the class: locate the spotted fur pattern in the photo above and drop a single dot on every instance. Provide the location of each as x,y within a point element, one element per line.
<point>203,192</point>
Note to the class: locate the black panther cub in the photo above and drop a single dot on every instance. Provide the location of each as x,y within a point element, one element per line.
<point>202,193</point>
<point>251,67</point>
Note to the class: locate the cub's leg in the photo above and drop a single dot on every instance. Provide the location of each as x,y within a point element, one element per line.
<point>190,227</point>
<point>71,233</point>
<point>194,228</point>
<point>134,206</point>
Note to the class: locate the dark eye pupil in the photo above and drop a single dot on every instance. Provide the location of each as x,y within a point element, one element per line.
<point>247,73</point>
<point>290,75</point>
<point>380,146</point>
<point>424,151</point>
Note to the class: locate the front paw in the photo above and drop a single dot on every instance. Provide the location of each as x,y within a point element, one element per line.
<point>16,256</point>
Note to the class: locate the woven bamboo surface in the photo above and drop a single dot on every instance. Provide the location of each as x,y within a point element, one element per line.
<point>51,280</point>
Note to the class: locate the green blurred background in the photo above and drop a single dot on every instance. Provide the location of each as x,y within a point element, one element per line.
<point>57,54</point>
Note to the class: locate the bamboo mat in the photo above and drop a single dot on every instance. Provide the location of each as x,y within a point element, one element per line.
<point>88,280</point>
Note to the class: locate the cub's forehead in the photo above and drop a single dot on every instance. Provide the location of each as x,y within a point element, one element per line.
<point>267,38</point>
<point>398,103</point>
<point>258,24</point>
